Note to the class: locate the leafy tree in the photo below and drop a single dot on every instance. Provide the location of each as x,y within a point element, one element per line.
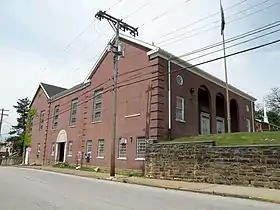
<point>273,117</point>
<point>25,137</point>
<point>22,108</point>
<point>273,100</point>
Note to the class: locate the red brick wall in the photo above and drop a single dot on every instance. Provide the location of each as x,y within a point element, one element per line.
<point>40,103</point>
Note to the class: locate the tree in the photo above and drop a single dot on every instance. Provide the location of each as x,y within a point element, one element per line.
<point>25,137</point>
<point>273,117</point>
<point>22,108</point>
<point>273,100</point>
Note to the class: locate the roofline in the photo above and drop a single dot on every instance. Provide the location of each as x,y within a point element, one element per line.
<point>40,86</point>
<point>69,91</point>
<point>178,61</point>
<point>106,50</point>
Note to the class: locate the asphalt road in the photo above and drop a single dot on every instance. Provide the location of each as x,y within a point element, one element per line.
<point>27,189</point>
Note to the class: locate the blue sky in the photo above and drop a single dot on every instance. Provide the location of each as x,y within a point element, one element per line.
<point>34,34</point>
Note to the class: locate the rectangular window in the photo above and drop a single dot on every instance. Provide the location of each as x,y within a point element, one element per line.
<point>97,105</point>
<point>52,149</point>
<point>248,125</point>
<point>180,106</point>
<point>73,114</point>
<point>70,149</point>
<point>122,148</point>
<point>41,123</point>
<point>38,148</point>
<point>31,123</point>
<point>55,116</point>
<point>100,148</point>
<point>141,147</point>
<point>88,148</point>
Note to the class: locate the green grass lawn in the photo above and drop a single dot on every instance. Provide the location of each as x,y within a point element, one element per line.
<point>256,138</point>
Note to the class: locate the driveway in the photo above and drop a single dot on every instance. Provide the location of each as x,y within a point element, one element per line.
<point>27,189</point>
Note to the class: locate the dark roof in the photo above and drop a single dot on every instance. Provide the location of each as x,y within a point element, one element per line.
<point>71,90</point>
<point>52,90</point>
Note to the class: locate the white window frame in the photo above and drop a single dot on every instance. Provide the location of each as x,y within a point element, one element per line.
<point>52,149</point>
<point>122,150</point>
<point>140,154</point>
<point>41,123</point>
<point>88,148</point>
<point>248,124</point>
<point>101,148</point>
<point>70,152</point>
<point>55,116</point>
<point>180,109</point>
<point>74,111</point>
<point>97,99</point>
<point>31,123</point>
<point>38,148</point>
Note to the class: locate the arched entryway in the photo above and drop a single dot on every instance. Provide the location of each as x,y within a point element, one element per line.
<point>234,115</point>
<point>220,113</point>
<point>60,146</point>
<point>204,110</point>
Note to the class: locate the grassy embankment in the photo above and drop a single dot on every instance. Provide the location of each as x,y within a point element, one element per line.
<point>256,138</point>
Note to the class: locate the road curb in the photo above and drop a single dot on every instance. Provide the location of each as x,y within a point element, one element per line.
<point>124,180</point>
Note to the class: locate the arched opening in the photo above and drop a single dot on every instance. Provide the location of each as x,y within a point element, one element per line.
<point>60,147</point>
<point>234,116</point>
<point>220,113</point>
<point>204,110</point>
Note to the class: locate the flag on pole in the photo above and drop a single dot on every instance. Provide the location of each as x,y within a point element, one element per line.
<point>223,23</point>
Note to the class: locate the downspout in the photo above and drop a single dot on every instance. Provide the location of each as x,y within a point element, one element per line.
<point>253,116</point>
<point>169,99</point>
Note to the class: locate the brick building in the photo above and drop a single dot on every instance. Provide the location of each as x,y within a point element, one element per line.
<point>79,120</point>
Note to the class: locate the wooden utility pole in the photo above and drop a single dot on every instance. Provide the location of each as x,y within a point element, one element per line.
<point>2,114</point>
<point>117,25</point>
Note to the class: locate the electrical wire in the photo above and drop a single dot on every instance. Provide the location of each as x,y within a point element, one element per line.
<point>201,19</point>
<point>88,26</point>
<point>179,37</point>
<point>109,88</point>
<point>249,33</point>
<point>234,45</point>
<point>163,13</point>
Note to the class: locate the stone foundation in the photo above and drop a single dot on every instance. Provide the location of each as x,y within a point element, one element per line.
<point>257,166</point>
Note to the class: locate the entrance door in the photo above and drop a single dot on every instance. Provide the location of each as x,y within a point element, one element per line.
<point>61,149</point>
<point>204,123</point>
<point>220,125</point>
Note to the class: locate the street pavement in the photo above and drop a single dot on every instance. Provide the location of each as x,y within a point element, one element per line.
<point>27,189</point>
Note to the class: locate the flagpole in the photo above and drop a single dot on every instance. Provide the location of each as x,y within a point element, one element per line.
<point>226,73</point>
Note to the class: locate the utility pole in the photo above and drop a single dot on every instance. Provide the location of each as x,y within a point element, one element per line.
<point>116,48</point>
<point>2,114</point>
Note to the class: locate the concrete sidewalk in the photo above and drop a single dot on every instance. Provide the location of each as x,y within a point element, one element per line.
<point>262,194</point>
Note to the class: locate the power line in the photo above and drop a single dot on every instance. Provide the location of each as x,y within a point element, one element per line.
<point>179,37</point>
<point>205,62</point>
<point>109,88</point>
<point>137,10</point>
<point>234,45</point>
<point>164,13</point>
<point>240,36</point>
<point>88,26</point>
<point>201,19</point>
